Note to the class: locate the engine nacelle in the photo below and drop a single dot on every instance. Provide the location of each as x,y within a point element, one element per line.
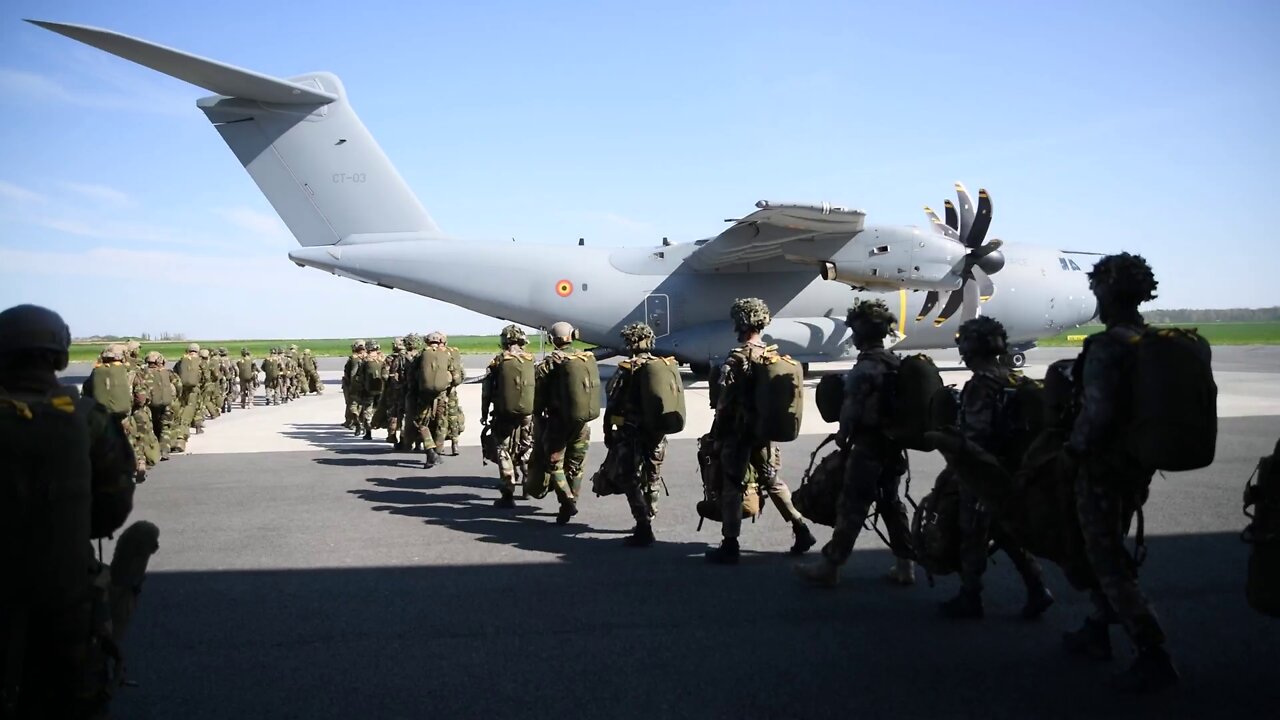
<point>887,258</point>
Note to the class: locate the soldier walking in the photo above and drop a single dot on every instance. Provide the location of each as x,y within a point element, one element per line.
<point>510,427</point>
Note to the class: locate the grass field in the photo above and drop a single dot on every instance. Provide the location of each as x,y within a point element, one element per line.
<point>339,347</point>
<point>1223,333</point>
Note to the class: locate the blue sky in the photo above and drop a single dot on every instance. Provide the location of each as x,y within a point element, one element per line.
<point>1145,126</point>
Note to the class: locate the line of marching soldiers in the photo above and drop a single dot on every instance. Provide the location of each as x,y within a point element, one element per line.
<point>159,407</point>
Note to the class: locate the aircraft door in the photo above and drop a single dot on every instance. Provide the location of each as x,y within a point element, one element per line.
<point>657,314</point>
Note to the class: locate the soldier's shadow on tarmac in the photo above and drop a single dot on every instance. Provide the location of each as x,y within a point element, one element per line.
<point>329,436</point>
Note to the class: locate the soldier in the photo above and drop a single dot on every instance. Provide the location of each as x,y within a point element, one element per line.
<point>512,436</point>
<point>115,387</point>
<point>144,431</point>
<point>372,382</point>
<point>350,421</point>
<point>1111,485</point>
<point>875,464</point>
<point>410,433</point>
<point>164,401</point>
<point>189,372</point>
<point>247,373</point>
<point>66,478</point>
<point>625,424</point>
<point>286,374</point>
<point>457,419</point>
<point>393,394</point>
<point>561,441</point>
<point>271,373</point>
<point>210,386</point>
<point>732,431</point>
<point>229,378</point>
<point>431,403</point>
<point>982,342</point>
<point>314,384</point>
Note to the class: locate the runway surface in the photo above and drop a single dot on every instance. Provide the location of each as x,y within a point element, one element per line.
<point>306,573</point>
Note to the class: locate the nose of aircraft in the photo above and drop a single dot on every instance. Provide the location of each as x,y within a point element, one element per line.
<point>1077,304</point>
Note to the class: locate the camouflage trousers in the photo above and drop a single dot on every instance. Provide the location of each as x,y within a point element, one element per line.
<point>565,448</point>
<point>514,440</point>
<point>211,399</point>
<point>246,394</point>
<point>977,529</point>
<point>871,477</point>
<point>642,496</point>
<point>1109,490</point>
<point>736,455</point>
<point>393,407</point>
<point>162,423</point>
<point>456,419</point>
<point>274,391</point>
<point>365,406</point>
<point>146,441</point>
<point>432,419</point>
<point>313,382</point>
<point>191,416</point>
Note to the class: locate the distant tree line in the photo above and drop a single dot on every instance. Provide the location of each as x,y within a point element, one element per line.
<point>141,337</point>
<point>1268,314</point>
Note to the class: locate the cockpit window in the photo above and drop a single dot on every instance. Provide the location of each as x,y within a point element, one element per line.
<point>1063,263</point>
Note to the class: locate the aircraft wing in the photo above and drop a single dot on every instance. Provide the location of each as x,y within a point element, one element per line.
<point>762,234</point>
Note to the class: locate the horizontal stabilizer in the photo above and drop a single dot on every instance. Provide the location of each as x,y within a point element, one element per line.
<point>202,72</point>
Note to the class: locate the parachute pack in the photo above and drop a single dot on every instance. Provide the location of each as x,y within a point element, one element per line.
<point>188,372</point>
<point>661,393</point>
<point>1019,417</point>
<point>1262,507</point>
<point>374,372</point>
<point>819,492</point>
<point>247,373</point>
<point>830,397</point>
<point>909,401</point>
<point>434,374</point>
<point>111,387</point>
<point>1175,401</point>
<point>159,389</point>
<point>779,396</point>
<point>935,528</point>
<point>713,483</point>
<point>513,385</point>
<point>270,369</point>
<point>575,384</point>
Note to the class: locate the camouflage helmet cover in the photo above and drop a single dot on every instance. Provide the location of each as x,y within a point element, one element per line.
<point>412,341</point>
<point>1127,277</point>
<point>293,346</point>
<point>357,345</point>
<point>132,347</point>
<point>114,351</point>
<point>749,314</point>
<point>154,358</point>
<point>222,351</point>
<point>245,352</point>
<point>513,335</point>
<point>193,347</point>
<point>306,351</point>
<point>638,336</point>
<point>373,345</point>
<point>32,327</point>
<point>435,338</point>
<point>204,353</point>
<point>873,313</point>
<point>981,337</point>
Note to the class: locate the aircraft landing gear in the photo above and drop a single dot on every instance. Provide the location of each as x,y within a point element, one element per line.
<point>1018,356</point>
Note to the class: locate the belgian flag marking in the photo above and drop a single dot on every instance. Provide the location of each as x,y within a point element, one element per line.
<point>564,288</point>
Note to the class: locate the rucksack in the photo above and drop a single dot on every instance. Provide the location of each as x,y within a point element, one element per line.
<point>1262,493</point>
<point>1019,418</point>
<point>830,397</point>
<point>576,388</point>
<point>271,369</point>
<point>713,484</point>
<point>512,385</point>
<point>374,370</point>
<point>111,386</point>
<point>1175,401</point>
<point>935,528</point>
<point>818,496</point>
<point>911,390</point>
<point>1059,394</point>
<point>779,396</point>
<point>661,391</point>
<point>434,374</point>
<point>159,387</point>
<point>188,372</point>
<point>247,371</point>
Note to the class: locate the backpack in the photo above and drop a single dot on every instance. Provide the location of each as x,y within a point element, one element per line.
<point>1175,401</point>
<point>1262,493</point>
<point>160,388</point>
<point>188,372</point>
<point>935,528</point>
<point>819,492</point>
<point>271,369</point>
<point>713,483</point>
<point>830,397</point>
<point>247,372</point>
<point>434,371</point>
<point>912,388</point>
<point>1019,418</point>
<point>512,385</point>
<point>374,370</point>
<point>577,388</point>
<point>112,387</point>
<point>1059,394</point>
<point>779,396</point>
<point>661,392</point>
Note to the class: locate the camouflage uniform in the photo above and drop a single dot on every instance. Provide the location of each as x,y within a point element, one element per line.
<point>246,371</point>
<point>314,384</point>
<point>394,391</point>
<point>111,359</point>
<point>431,408</point>
<point>143,423</point>
<point>625,429</point>
<point>272,377</point>
<point>368,393</point>
<point>229,378</point>
<point>351,420</point>
<point>162,415</point>
<point>457,419</point>
<point>410,433</point>
<point>563,444</point>
<point>512,437</point>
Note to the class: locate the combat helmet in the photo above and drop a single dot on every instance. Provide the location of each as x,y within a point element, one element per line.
<point>293,347</point>
<point>357,345</point>
<point>1126,278</point>
<point>222,352</point>
<point>373,345</point>
<point>562,333</point>
<point>193,348</point>
<point>749,314</point>
<point>435,338</point>
<point>114,351</point>
<point>245,352</point>
<point>870,318</point>
<point>981,337</point>
<point>397,344</point>
<point>204,353</point>
<point>132,347</point>
<point>512,335</point>
<point>154,358</point>
<point>31,327</point>
<point>638,337</point>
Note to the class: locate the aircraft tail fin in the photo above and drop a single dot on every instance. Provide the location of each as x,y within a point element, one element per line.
<point>298,138</point>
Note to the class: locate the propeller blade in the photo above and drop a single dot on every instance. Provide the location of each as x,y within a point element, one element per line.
<point>954,301</point>
<point>986,288</point>
<point>981,221</point>
<point>938,224</point>
<point>978,253</point>
<point>966,214</point>
<point>953,220</point>
<point>930,299</point>
<point>971,301</point>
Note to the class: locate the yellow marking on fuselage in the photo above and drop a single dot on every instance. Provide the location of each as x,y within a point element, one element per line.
<point>902,311</point>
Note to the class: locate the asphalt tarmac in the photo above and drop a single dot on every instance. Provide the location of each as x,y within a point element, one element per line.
<point>306,573</point>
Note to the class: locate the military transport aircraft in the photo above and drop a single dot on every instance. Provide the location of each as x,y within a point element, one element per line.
<point>354,216</point>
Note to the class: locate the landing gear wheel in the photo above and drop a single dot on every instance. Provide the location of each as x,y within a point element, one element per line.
<point>1019,360</point>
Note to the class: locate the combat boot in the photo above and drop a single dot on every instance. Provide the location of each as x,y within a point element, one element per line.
<point>567,511</point>
<point>964,606</point>
<point>506,501</point>
<point>804,538</point>
<point>1151,671</point>
<point>1093,640</point>
<point>640,537</point>
<point>902,572</point>
<point>432,459</point>
<point>819,573</point>
<point>368,434</point>
<point>453,448</point>
<point>391,438</point>
<point>1039,599</point>
<point>726,554</point>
